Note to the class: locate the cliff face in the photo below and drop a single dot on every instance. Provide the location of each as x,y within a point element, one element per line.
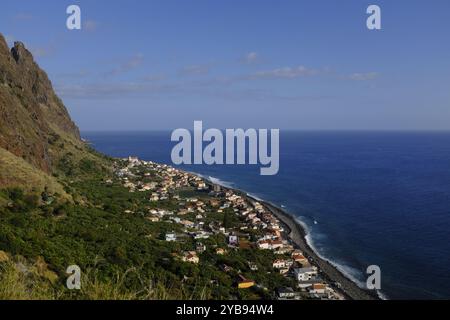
<point>32,117</point>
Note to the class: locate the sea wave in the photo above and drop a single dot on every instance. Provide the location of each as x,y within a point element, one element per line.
<point>353,274</point>
<point>254,196</point>
<point>220,182</point>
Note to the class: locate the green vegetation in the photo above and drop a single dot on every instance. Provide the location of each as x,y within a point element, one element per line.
<point>122,254</point>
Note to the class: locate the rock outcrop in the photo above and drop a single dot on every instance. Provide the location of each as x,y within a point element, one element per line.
<point>32,117</point>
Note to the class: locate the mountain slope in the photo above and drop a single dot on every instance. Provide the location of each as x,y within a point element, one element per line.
<point>16,171</point>
<point>34,123</point>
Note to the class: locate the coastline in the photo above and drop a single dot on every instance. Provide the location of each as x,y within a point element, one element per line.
<point>297,235</point>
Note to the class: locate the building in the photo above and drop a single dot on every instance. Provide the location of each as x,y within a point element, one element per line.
<point>299,257</point>
<point>220,251</point>
<point>305,274</point>
<point>308,283</point>
<point>276,244</point>
<point>278,264</point>
<point>253,266</point>
<point>200,247</point>
<point>200,235</point>
<point>285,293</point>
<point>282,264</point>
<point>264,244</point>
<point>318,289</point>
<point>153,218</point>
<point>133,160</point>
<point>154,197</point>
<point>171,237</point>
<point>284,271</point>
<point>187,223</point>
<point>233,240</point>
<point>244,283</point>
<point>190,256</point>
<point>226,268</point>
<point>202,186</point>
<point>214,203</point>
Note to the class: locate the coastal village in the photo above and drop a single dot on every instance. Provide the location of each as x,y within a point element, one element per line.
<point>194,210</point>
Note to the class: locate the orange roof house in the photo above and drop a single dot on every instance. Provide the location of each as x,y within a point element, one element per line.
<point>244,283</point>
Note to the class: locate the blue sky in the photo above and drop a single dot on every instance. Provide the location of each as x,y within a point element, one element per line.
<point>151,65</point>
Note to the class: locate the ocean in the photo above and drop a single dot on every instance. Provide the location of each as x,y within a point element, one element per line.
<point>366,198</point>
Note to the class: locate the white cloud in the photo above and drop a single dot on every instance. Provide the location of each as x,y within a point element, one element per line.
<point>363,76</point>
<point>74,75</point>
<point>41,51</point>
<point>250,58</point>
<point>113,90</point>
<point>106,91</point>
<point>195,70</point>
<point>23,16</point>
<point>132,63</point>
<point>285,73</point>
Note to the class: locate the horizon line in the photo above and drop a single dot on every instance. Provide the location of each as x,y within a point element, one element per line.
<point>285,130</point>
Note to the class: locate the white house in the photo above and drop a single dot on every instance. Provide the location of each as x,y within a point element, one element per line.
<point>171,237</point>
<point>264,244</point>
<point>305,274</point>
<point>278,264</point>
<point>286,293</point>
<point>200,247</point>
<point>233,240</point>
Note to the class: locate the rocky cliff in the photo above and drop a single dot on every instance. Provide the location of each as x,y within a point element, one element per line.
<point>32,118</point>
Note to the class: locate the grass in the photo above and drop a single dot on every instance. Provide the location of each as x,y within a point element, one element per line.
<point>16,172</point>
<point>20,280</point>
<point>18,285</point>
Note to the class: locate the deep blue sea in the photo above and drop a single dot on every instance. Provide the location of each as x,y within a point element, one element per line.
<point>367,198</point>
